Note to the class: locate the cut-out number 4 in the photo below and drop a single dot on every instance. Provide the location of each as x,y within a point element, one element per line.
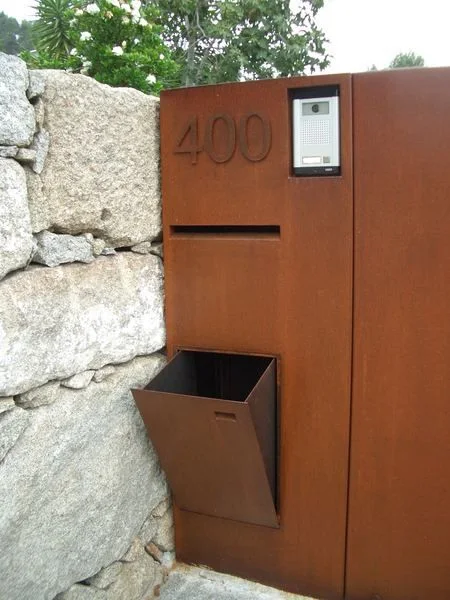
<point>188,141</point>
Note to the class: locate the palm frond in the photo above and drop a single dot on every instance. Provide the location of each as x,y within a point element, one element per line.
<point>51,30</point>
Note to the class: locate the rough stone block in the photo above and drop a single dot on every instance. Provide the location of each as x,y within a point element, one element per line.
<point>8,151</point>
<point>186,583</point>
<point>98,245</point>
<point>38,207</point>
<point>36,85</point>
<point>102,169</point>
<point>73,318</point>
<point>39,113</point>
<point>16,113</point>
<point>155,552</point>
<point>108,252</point>
<point>78,381</point>
<point>40,145</point>
<point>16,241</point>
<point>55,249</point>
<point>77,485</point>
<point>26,155</point>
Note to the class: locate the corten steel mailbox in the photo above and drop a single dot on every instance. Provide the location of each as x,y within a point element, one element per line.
<point>212,419</point>
<point>258,262</point>
<point>342,282</point>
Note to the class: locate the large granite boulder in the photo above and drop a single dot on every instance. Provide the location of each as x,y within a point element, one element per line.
<point>77,486</point>
<point>12,423</point>
<point>101,173</point>
<point>56,322</point>
<point>16,241</point>
<point>17,120</point>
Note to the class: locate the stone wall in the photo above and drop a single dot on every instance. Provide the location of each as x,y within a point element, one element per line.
<point>84,506</point>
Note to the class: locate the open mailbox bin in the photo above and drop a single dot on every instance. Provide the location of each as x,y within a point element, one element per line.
<point>212,419</point>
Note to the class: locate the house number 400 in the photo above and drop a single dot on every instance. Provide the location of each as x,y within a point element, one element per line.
<point>188,142</point>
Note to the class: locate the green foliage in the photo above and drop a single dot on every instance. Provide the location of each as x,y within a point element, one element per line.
<point>231,40</point>
<point>168,43</point>
<point>51,31</point>
<point>115,41</point>
<point>14,36</point>
<point>44,60</point>
<point>404,60</point>
<point>408,59</point>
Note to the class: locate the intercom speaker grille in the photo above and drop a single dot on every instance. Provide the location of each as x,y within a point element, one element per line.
<point>316,132</point>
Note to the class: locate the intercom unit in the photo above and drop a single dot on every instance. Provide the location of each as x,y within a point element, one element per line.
<point>315,131</point>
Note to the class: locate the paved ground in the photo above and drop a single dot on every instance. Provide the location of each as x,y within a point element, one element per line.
<point>194,583</point>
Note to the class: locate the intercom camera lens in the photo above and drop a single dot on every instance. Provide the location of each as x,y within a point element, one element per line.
<point>315,108</point>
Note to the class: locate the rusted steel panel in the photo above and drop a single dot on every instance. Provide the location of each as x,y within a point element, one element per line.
<point>399,512</point>
<point>280,285</point>
<point>212,419</point>
<point>235,277</point>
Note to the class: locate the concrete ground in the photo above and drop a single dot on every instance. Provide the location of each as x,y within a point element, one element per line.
<point>195,583</point>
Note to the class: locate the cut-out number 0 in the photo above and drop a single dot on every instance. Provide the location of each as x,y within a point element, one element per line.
<point>188,140</point>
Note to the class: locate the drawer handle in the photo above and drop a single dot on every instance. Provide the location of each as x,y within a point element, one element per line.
<point>225,416</point>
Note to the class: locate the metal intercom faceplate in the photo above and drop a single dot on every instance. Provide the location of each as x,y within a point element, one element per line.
<point>315,132</point>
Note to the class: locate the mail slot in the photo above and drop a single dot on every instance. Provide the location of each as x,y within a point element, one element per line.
<point>212,418</point>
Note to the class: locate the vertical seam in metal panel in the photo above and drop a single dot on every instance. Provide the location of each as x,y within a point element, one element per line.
<point>352,335</point>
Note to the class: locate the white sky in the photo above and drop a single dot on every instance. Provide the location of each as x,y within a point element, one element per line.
<point>366,32</point>
<point>19,9</point>
<point>362,32</point>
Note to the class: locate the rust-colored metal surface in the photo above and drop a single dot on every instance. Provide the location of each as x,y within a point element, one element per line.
<point>258,261</point>
<point>399,511</point>
<point>212,419</point>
